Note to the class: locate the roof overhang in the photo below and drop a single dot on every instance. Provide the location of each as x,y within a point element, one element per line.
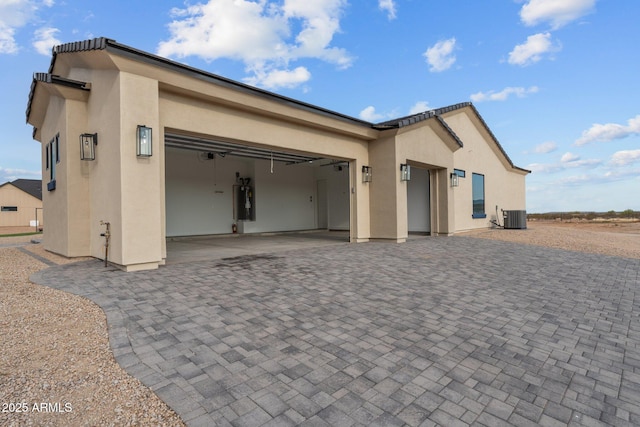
<point>43,87</point>
<point>104,53</point>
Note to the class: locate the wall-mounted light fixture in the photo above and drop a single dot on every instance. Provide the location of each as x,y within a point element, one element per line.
<point>367,172</point>
<point>405,172</point>
<point>88,142</point>
<point>143,141</point>
<point>454,179</point>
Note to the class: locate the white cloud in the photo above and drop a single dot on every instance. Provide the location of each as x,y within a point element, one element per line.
<point>7,42</point>
<point>420,107</point>
<point>279,78</point>
<point>261,34</point>
<point>320,21</point>
<point>543,167</point>
<point>440,56</point>
<point>369,114</point>
<point>545,147</point>
<point>569,157</point>
<point>504,94</point>
<point>557,12</point>
<point>622,174</point>
<point>609,131</point>
<point>15,14</point>
<point>625,157</point>
<point>389,6</point>
<point>599,177</point>
<point>532,50</point>
<point>576,179</point>
<point>570,160</point>
<point>567,161</point>
<point>45,39</point>
<point>7,175</point>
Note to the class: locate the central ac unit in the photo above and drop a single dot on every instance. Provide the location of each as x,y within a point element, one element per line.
<point>515,219</point>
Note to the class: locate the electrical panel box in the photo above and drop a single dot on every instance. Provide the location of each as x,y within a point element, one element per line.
<point>245,206</point>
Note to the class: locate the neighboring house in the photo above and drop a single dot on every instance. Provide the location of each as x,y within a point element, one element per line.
<point>179,151</point>
<point>21,203</point>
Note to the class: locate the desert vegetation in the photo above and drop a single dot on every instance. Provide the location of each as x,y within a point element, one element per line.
<point>626,215</point>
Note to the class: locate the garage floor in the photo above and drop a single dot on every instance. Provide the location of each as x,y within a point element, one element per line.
<point>202,248</point>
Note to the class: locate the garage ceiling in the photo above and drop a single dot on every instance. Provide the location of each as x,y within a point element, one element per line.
<point>223,149</point>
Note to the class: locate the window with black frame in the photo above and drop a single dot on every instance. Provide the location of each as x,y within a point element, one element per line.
<point>478,196</point>
<point>52,159</point>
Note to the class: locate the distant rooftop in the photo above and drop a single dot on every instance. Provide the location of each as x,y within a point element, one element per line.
<point>30,186</point>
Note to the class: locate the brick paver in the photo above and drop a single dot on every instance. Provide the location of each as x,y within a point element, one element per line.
<point>449,331</point>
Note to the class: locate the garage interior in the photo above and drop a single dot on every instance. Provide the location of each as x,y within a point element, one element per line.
<point>221,188</point>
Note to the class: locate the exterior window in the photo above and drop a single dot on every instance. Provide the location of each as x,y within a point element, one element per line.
<point>9,209</point>
<point>53,158</point>
<point>478,196</point>
<point>52,149</point>
<point>460,173</point>
<point>57,140</point>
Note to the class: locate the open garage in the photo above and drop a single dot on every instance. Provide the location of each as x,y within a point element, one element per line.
<point>215,187</point>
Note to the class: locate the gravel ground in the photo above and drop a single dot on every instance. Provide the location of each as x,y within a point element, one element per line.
<point>56,366</point>
<point>55,350</point>
<point>606,238</point>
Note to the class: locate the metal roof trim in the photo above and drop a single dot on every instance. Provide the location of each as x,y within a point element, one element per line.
<point>51,79</point>
<point>495,140</point>
<point>103,43</point>
<point>415,118</point>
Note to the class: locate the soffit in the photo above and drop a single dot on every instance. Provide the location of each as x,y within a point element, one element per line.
<point>45,85</point>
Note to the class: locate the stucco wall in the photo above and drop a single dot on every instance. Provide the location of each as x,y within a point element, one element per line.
<point>142,186</point>
<point>117,186</point>
<point>384,189</point>
<point>56,235</point>
<point>424,145</point>
<point>504,186</point>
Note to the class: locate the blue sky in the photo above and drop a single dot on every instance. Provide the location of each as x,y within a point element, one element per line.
<point>556,80</point>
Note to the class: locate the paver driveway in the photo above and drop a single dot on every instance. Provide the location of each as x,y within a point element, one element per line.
<point>450,331</point>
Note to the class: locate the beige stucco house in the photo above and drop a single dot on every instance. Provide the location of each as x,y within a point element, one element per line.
<point>170,150</point>
<point>21,203</point>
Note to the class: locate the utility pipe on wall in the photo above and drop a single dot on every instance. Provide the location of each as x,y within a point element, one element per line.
<point>106,236</point>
